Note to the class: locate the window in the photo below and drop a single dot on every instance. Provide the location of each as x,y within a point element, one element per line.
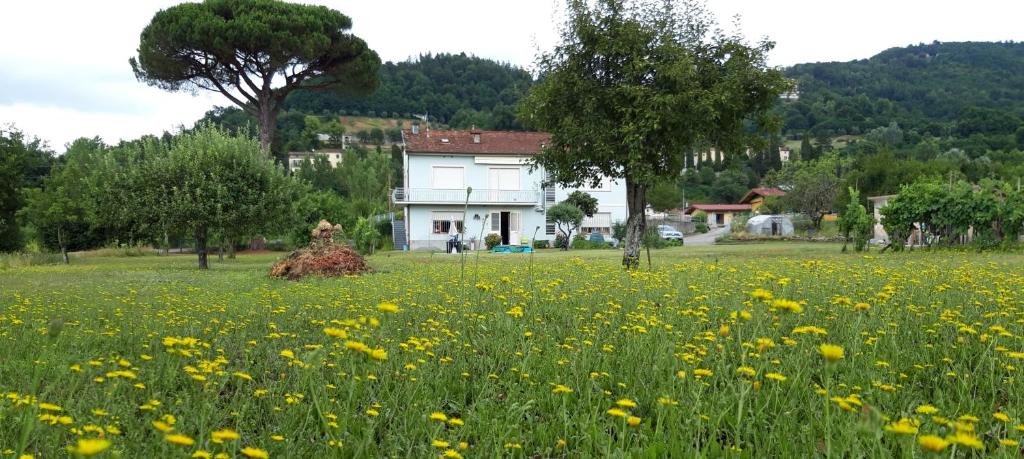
<point>441,222</point>
<point>549,226</point>
<point>601,222</point>
<point>448,178</point>
<point>549,193</point>
<point>504,178</point>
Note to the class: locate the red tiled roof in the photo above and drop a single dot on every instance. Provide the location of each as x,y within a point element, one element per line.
<point>717,208</point>
<point>461,142</point>
<point>761,192</point>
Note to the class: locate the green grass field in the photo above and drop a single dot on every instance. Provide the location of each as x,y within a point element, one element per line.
<point>715,351</point>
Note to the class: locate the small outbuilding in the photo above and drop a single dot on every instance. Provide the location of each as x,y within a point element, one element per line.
<point>770,225</point>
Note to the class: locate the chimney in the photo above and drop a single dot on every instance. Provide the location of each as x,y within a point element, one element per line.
<point>416,129</point>
<point>476,134</point>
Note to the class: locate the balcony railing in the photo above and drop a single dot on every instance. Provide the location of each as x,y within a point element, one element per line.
<point>432,196</point>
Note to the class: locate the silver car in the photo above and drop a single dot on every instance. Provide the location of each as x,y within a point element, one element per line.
<point>669,233</point>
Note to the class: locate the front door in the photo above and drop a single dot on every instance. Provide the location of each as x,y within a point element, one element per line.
<point>507,225</point>
<point>505,217</point>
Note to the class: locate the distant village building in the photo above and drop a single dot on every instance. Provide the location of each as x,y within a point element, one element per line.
<point>295,158</point>
<point>719,214</point>
<point>756,197</point>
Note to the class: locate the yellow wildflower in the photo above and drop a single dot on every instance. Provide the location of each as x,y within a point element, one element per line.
<point>831,352</point>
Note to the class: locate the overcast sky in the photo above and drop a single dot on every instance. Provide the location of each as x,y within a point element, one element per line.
<point>64,69</point>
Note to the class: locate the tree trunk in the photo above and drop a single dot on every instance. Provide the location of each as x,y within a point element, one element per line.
<point>268,123</point>
<point>220,251</point>
<point>63,248</point>
<point>201,247</point>
<point>636,223</point>
<point>231,249</point>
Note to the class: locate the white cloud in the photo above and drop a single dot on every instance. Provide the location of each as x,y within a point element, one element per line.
<point>64,67</point>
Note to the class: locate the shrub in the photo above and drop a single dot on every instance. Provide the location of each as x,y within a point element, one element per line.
<point>541,244</point>
<point>701,227</point>
<point>492,240</point>
<point>560,241</point>
<point>801,223</point>
<point>739,223</point>
<point>652,239</point>
<point>619,230</point>
<point>700,217</point>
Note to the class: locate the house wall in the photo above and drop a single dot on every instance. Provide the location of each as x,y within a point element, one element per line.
<point>474,175</point>
<point>611,205</point>
<point>879,231</point>
<point>478,224</point>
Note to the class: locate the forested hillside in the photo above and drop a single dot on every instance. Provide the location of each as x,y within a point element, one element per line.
<point>938,89</point>
<point>454,89</point>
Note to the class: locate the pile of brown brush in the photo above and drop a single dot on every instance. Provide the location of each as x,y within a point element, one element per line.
<point>323,257</point>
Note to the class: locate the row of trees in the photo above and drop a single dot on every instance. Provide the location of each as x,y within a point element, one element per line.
<point>951,213</point>
<point>205,185</point>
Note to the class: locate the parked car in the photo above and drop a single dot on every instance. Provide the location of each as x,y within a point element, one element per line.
<point>669,233</point>
<point>602,239</point>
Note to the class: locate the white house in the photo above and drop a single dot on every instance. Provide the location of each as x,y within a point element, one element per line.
<point>507,199</point>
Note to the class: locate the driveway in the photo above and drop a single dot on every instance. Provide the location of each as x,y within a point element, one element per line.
<point>707,238</point>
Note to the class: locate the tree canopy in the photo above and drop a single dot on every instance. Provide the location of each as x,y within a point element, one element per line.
<point>634,86</point>
<point>206,182</point>
<point>241,48</point>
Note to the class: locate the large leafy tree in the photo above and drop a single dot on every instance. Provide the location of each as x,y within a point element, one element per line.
<point>207,182</point>
<point>811,186</point>
<point>635,85</point>
<point>242,48</point>
<point>64,211</point>
<point>23,164</point>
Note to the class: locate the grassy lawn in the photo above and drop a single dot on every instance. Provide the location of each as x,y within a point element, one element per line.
<point>715,350</point>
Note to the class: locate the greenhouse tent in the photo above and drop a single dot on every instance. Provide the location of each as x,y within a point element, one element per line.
<point>770,225</point>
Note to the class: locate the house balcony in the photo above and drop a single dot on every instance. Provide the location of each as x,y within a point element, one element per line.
<point>483,196</point>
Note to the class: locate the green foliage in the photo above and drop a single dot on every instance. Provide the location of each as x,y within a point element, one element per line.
<point>492,240</point>
<point>541,244</point>
<point>239,48</point>
<point>567,218</point>
<point>699,217</point>
<point>911,86</point>
<point>729,186</point>
<point>855,223</point>
<point>23,164</point>
<point>456,89</point>
<point>811,186</point>
<point>206,181</point>
<point>772,205</point>
<point>945,213</point>
<point>364,235</point>
<point>671,87</point>
<point>665,195</point>
<point>618,229</point>
<point>653,240</point>
<point>311,207</point>
<point>583,201</point>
